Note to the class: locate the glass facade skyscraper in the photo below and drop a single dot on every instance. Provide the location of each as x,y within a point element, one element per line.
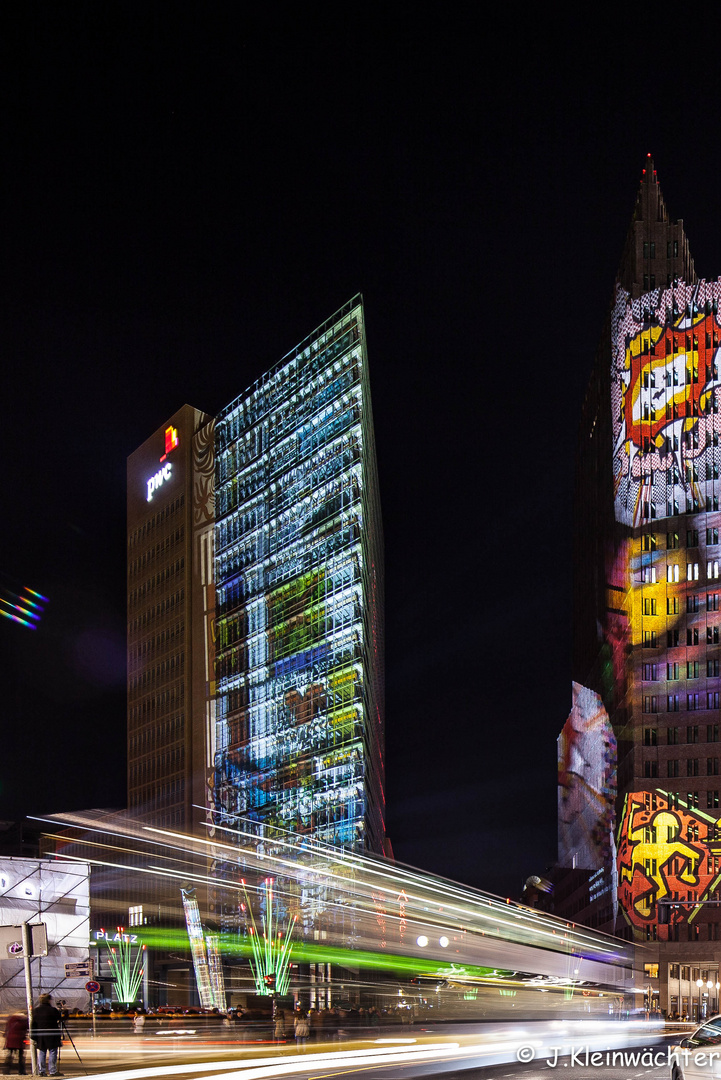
<point>299,741</point>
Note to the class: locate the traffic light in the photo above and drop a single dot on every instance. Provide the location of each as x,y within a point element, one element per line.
<point>269,980</point>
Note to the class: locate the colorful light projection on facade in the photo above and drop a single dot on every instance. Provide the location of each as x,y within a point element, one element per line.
<point>666,852</point>
<point>299,597</point>
<point>665,399</point>
<point>586,784</point>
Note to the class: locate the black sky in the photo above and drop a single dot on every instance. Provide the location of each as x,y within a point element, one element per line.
<point>188,192</point>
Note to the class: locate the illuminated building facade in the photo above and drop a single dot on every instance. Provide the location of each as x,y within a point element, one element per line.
<point>171,605</point>
<point>648,606</point>
<point>299,574</point>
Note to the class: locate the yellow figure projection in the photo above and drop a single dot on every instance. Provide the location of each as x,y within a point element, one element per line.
<point>651,856</point>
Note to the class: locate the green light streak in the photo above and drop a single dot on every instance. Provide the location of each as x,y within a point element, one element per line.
<point>255,945</point>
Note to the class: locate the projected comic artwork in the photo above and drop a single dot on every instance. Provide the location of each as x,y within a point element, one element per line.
<point>667,852</point>
<point>586,783</point>
<point>664,399</point>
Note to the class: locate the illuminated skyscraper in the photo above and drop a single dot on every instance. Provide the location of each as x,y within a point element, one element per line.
<point>299,572</point>
<point>171,606</point>
<point>648,613</point>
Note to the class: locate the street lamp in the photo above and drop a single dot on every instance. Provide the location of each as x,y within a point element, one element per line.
<point>699,983</point>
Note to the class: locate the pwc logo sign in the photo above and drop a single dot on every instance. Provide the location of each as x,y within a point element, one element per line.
<point>163,474</point>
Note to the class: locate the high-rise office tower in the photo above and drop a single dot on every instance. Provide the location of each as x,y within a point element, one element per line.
<point>648,618</point>
<point>292,537</point>
<point>171,608</point>
<point>299,572</point>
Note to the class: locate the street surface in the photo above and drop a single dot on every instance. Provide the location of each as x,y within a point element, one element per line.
<point>491,1052</point>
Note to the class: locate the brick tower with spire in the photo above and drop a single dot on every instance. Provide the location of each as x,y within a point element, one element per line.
<point>647,615</point>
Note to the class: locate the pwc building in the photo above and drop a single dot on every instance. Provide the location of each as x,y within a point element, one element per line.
<point>255,607</point>
<point>640,754</point>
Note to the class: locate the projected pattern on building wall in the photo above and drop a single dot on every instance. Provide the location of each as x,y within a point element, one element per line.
<point>664,398</point>
<point>586,784</point>
<point>667,852</point>
<point>299,580</point>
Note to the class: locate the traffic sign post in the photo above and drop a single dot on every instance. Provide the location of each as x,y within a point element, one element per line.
<point>92,988</point>
<point>26,954</point>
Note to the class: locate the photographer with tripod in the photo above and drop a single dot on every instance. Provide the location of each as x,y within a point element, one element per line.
<point>45,1033</point>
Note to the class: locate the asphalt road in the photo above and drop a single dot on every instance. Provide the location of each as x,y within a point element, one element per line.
<point>453,1064</point>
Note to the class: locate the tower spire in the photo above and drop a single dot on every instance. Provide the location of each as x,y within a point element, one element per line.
<point>656,252</point>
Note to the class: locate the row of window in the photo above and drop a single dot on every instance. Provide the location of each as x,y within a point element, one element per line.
<point>146,740</point>
<point>159,643</point>
<point>675,670</point>
<point>672,410</point>
<point>674,735</point>
<point>156,611</point>
<point>673,641</point>
<point>139,564</point>
<point>157,766</point>
<point>675,768</point>
<point>156,703</point>
<point>170,668</point>
<point>155,521</point>
<point>649,249</point>
<point>650,542</point>
<point>653,703</point>
<point>300,375</point>
<point>694,800</point>
<point>673,507</point>
<point>156,581</point>
<point>152,798</point>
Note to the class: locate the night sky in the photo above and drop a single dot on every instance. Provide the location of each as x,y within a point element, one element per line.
<point>187,193</point>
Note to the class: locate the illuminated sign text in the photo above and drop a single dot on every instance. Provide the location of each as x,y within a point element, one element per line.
<point>159,479</point>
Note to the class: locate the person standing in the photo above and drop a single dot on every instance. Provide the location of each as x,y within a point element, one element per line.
<point>45,1033</point>
<point>301,1027</point>
<point>16,1029</point>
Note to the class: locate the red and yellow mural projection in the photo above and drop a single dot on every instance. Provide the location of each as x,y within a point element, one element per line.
<point>664,397</point>
<point>666,852</point>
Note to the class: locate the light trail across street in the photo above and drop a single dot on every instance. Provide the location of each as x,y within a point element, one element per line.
<point>526,1050</point>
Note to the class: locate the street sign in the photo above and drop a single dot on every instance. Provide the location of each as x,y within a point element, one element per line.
<point>81,970</point>
<point>11,941</point>
<point>92,987</point>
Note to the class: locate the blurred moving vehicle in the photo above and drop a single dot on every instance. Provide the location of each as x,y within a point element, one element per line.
<point>698,1056</point>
